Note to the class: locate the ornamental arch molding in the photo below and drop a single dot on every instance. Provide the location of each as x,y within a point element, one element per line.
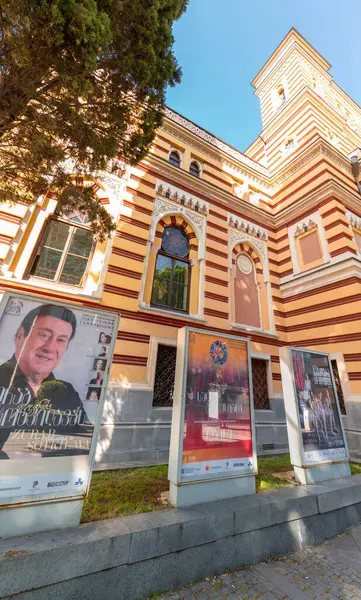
<point>113,185</point>
<point>197,221</point>
<point>109,188</point>
<point>260,247</point>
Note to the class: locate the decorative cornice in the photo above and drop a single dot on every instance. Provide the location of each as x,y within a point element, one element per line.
<point>242,174</point>
<point>353,219</point>
<point>247,227</point>
<point>179,197</point>
<point>305,226</point>
<point>341,268</point>
<point>229,168</point>
<point>320,148</point>
<point>211,139</point>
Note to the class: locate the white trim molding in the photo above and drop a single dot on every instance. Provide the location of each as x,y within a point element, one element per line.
<point>355,222</point>
<point>342,371</point>
<point>316,220</point>
<point>353,219</point>
<point>180,152</point>
<point>251,329</point>
<point>148,384</point>
<point>162,208</point>
<point>211,139</point>
<point>236,236</point>
<point>177,195</point>
<point>197,220</point>
<point>199,164</point>
<point>111,187</point>
<point>342,267</point>
<point>247,226</point>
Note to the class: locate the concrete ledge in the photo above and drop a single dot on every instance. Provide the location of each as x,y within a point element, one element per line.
<point>132,557</point>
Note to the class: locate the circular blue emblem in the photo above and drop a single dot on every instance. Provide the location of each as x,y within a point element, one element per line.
<point>218,352</point>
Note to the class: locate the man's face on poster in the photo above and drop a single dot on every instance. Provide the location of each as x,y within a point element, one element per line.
<point>40,352</point>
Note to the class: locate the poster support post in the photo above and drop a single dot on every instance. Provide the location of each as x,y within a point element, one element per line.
<point>55,359</point>
<point>212,450</point>
<point>317,441</point>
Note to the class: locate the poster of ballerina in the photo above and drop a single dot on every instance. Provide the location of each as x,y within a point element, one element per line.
<point>218,414</point>
<point>318,408</point>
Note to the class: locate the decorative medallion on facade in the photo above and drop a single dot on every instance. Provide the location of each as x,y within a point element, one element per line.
<point>244,264</point>
<point>176,195</point>
<point>247,227</point>
<point>237,237</point>
<point>304,227</point>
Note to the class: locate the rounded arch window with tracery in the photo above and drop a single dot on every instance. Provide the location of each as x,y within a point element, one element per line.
<point>172,271</point>
<point>175,242</point>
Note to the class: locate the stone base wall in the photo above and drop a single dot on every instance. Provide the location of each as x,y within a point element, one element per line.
<point>133,557</point>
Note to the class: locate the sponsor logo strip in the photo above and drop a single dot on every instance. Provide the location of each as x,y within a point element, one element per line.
<point>38,485</point>
<point>328,455</point>
<point>231,465</point>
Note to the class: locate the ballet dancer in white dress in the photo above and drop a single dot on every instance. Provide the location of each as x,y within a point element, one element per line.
<point>327,404</point>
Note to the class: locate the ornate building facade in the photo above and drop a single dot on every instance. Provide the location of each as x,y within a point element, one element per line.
<point>265,244</point>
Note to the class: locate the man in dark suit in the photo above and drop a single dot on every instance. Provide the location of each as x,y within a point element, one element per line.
<point>31,398</point>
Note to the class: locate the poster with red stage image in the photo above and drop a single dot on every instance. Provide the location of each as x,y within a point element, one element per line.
<point>217,429</point>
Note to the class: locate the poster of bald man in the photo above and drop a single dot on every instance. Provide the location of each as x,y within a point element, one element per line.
<point>47,356</point>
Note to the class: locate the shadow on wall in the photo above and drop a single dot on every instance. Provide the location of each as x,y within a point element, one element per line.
<point>132,429</point>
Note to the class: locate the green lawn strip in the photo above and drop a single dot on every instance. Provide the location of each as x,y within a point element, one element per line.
<point>265,480</point>
<point>125,492</point>
<point>133,491</point>
<point>355,468</point>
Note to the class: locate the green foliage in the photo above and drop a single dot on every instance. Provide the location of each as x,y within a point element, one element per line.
<point>355,468</point>
<point>83,80</point>
<point>125,492</point>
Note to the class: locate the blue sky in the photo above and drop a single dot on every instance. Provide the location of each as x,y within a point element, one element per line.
<point>222,44</point>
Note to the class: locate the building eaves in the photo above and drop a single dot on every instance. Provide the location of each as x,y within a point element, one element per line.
<point>218,144</point>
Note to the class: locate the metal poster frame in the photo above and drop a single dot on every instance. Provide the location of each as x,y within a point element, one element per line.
<point>181,415</point>
<point>306,465</point>
<point>64,495</point>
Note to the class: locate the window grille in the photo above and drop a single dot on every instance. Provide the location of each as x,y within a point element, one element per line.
<point>260,384</point>
<point>337,379</point>
<point>164,376</point>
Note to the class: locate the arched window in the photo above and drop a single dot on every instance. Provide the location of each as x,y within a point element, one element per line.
<point>172,271</point>
<point>174,158</point>
<point>246,298</point>
<point>194,169</point>
<point>289,143</point>
<point>281,94</point>
<point>64,250</point>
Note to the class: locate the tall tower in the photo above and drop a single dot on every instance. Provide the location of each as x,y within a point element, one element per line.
<point>300,102</point>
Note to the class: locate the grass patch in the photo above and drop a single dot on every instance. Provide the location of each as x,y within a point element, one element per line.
<point>265,480</point>
<point>133,491</point>
<point>355,468</point>
<point>125,492</point>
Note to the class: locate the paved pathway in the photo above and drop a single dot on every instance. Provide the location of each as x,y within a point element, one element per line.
<point>329,571</point>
